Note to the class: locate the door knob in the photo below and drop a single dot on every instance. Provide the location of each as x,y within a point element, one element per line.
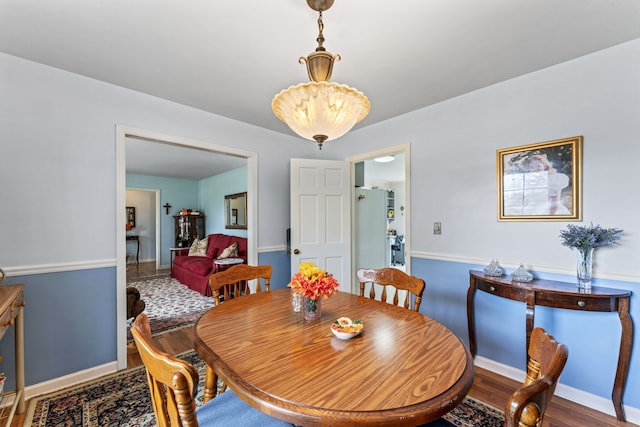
<point>296,251</point>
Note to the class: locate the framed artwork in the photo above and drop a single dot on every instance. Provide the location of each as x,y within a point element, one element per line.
<point>131,217</point>
<point>540,182</point>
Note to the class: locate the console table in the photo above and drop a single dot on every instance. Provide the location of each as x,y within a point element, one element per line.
<point>137,240</point>
<point>555,294</point>
<point>11,313</point>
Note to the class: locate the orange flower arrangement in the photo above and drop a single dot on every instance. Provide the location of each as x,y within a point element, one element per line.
<point>128,226</point>
<point>313,283</point>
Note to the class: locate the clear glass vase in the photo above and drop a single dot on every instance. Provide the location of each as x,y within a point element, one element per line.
<point>296,302</point>
<point>312,308</point>
<point>584,267</point>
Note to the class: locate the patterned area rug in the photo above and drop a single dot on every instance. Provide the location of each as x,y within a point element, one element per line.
<point>122,399</point>
<point>169,304</point>
<point>472,412</point>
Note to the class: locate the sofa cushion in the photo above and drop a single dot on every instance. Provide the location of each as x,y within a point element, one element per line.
<point>197,264</point>
<point>230,251</point>
<point>199,247</point>
<point>217,243</point>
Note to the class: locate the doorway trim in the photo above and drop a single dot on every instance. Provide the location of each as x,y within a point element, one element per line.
<point>402,148</point>
<point>122,133</point>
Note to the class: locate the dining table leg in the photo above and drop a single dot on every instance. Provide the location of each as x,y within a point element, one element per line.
<point>210,384</point>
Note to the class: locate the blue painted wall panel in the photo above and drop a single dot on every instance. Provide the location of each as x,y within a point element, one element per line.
<point>71,313</point>
<point>593,338</point>
<point>281,264</point>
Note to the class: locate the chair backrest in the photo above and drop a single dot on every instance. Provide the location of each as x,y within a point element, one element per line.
<point>396,278</point>
<point>547,357</point>
<point>172,381</point>
<point>234,281</point>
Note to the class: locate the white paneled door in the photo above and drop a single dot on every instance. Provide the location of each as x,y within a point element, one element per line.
<point>320,217</point>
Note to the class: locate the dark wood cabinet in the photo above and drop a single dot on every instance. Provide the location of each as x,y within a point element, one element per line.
<point>187,228</point>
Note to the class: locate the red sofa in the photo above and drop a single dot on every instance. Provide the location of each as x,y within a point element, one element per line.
<point>194,271</point>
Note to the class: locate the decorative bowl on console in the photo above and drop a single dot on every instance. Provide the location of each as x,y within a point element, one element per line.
<point>493,269</point>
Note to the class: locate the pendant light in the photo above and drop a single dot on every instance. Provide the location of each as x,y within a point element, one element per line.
<point>320,110</point>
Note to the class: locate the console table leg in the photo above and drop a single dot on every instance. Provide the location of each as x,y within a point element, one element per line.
<point>471,327</point>
<point>626,341</point>
<point>530,320</point>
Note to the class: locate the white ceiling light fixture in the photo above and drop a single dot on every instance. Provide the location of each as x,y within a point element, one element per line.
<point>320,110</point>
<point>384,159</point>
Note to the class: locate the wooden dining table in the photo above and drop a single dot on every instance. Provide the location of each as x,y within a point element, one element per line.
<point>404,369</point>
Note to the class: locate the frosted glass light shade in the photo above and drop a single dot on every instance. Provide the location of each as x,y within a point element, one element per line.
<point>320,110</point>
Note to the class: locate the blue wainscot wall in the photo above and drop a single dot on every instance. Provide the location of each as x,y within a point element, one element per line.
<point>71,313</point>
<point>74,313</point>
<point>593,338</point>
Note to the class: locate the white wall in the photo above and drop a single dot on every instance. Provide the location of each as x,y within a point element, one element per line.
<point>145,204</point>
<point>453,158</point>
<point>59,145</point>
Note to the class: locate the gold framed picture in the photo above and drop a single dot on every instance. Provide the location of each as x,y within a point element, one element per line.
<point>540,182</point>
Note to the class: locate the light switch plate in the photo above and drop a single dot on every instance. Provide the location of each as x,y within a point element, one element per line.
<point>437,229</point>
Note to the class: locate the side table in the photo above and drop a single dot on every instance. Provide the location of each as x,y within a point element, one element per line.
<point>173,252</point>
<point>137,248</point>
<point>12,314</point>
<point>223,264</point>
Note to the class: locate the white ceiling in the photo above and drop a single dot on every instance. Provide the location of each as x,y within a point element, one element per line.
<point>156,158</point>
<point>231,57</point>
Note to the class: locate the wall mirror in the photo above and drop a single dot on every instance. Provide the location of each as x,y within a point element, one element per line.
<point>235,211</point>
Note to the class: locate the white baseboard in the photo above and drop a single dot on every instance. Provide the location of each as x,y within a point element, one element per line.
<point>573,394</point>
<point>70,380</point>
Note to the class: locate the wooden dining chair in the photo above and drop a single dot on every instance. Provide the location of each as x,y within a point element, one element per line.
<point>527,405</point>
<point>392,280</point>
<point>233,282</point>
<point>173,384</point>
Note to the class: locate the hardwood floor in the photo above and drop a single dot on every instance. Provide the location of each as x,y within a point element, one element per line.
<point>143,269</point>
<point>487,386</point>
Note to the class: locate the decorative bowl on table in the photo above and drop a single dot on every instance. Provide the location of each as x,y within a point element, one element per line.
<point>345,328</point>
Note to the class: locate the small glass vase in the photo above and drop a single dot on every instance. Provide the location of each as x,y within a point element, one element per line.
<point>312,308</point>
<point>296,302</point>
<point>585,265</point>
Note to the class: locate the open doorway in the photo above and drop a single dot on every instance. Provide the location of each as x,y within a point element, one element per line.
<point>123,133</point>
<point>142,235</point>
<point>380,213</point>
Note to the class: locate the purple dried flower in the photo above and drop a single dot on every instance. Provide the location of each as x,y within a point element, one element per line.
<point>584,238</point>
